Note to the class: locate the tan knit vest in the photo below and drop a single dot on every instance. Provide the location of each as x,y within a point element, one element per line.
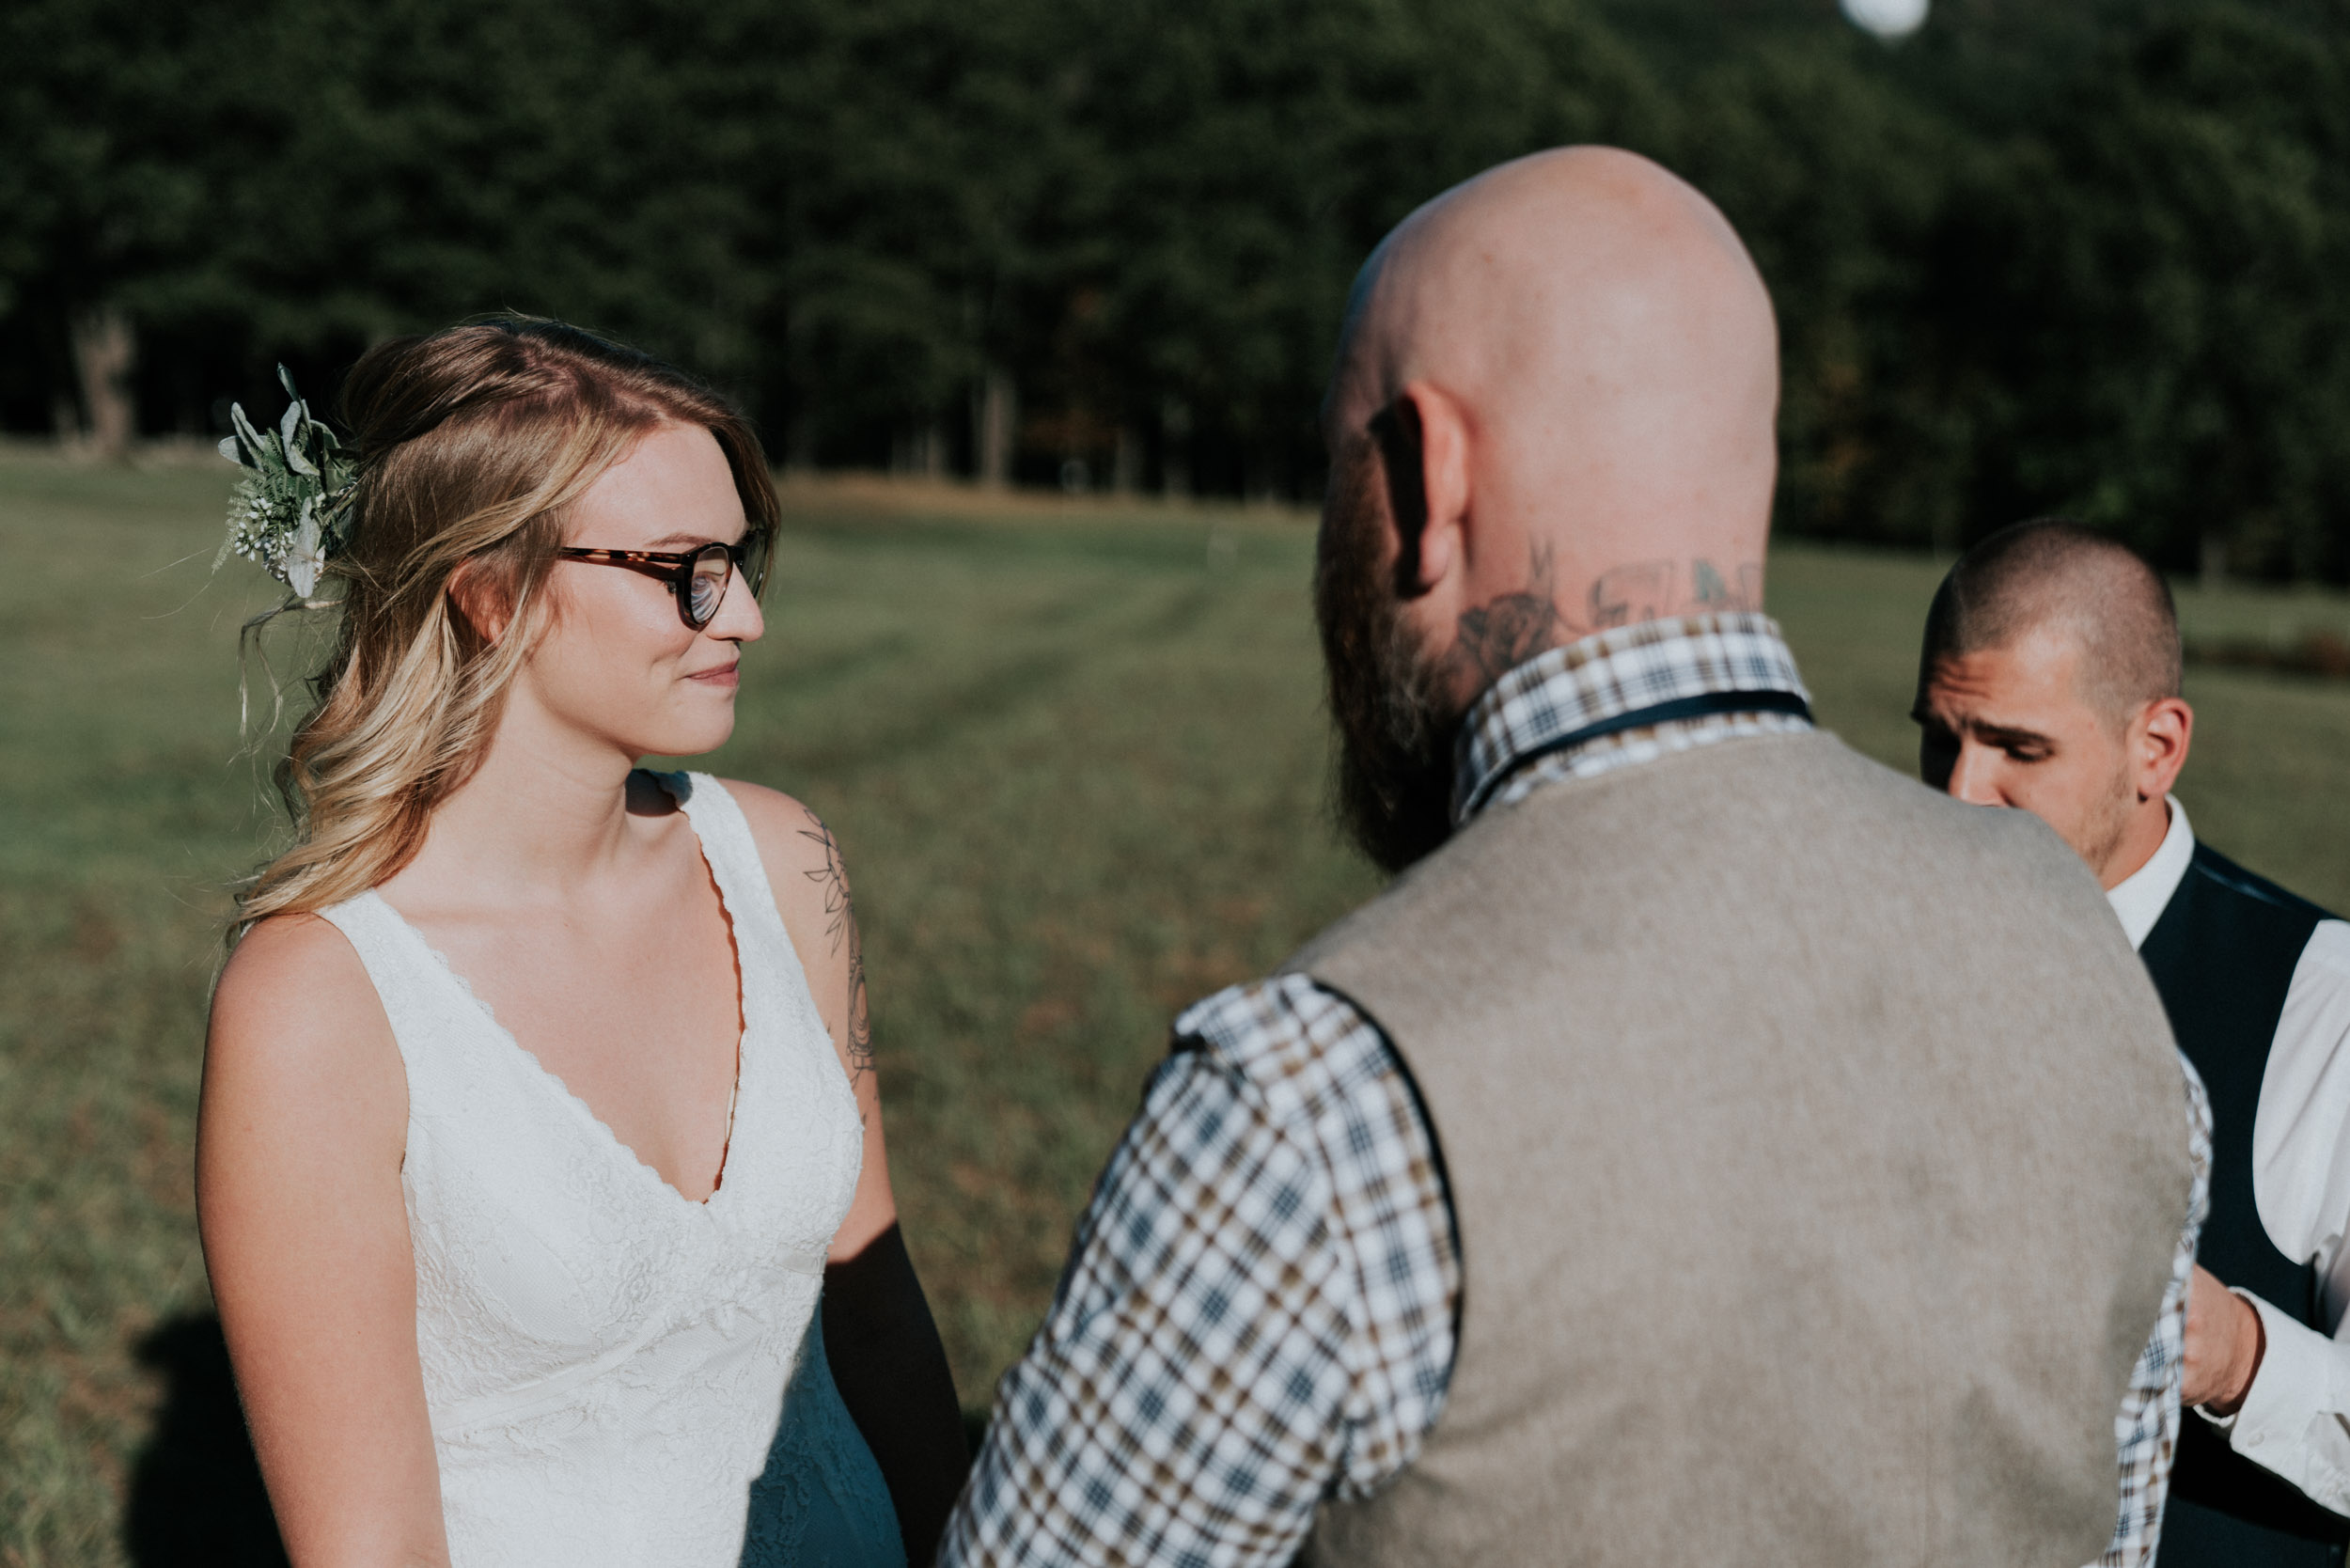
<point>1819,1153</point>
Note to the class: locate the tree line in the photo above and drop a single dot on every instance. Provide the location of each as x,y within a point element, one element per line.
<point>2087,256</point>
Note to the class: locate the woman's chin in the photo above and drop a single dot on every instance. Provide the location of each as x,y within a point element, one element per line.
<point>689,738</point>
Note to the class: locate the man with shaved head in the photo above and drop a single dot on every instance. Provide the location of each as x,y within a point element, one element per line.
<point>2049,680</point>
<point>1712,1148</point>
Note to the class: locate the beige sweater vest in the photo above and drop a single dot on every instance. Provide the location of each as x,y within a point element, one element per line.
<point>1818,1154</point>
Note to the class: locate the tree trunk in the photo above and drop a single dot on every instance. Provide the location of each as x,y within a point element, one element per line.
<point>799,444</point>
<point>919,452</point>
<point>1260,480</point>
<point>104,349</point>
<point>995,420</point>
<point>2213,559</point>
<point>1175,453</point>
<point>1126,468</point>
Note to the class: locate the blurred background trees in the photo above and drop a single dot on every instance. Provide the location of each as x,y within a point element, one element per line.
<point>2078,254</point>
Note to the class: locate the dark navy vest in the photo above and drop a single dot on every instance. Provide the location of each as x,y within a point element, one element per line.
<point>2222,956</point>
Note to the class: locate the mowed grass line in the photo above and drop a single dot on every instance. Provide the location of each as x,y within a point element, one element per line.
<point>1076,761</point>
<point>1078,776</point>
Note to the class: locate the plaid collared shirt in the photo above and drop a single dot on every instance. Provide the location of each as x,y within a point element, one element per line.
<point>1259,1309</point>
<point>1529,711</point>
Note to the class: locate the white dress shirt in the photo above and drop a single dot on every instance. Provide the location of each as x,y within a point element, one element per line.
<point>2296,1419</point>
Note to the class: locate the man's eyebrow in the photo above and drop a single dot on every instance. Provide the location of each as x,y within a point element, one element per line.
<point>2002,734</point>
<point>1990,734</point>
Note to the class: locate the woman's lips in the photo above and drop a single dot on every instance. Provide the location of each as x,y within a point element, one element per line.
<point>725,675</point>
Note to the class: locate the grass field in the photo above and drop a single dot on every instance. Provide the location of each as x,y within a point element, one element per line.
<point>1076,762</point>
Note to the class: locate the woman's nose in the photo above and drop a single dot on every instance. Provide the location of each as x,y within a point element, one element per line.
<point>739,618</point>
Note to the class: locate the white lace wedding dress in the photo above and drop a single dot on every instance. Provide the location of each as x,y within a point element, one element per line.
<point>618,1376</point>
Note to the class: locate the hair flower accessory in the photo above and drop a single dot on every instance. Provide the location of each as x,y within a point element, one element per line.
<point>291,511</point>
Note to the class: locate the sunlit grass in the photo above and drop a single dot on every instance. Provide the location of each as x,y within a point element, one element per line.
<point>1076,760</point>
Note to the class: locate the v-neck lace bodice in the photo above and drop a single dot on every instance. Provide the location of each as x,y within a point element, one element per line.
<point>598,1129</point>
<point>605,1361</point>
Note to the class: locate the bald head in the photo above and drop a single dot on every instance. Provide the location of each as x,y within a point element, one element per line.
<point>1553,413</point>
<point>1613,352</point>
<point>2056,578</point>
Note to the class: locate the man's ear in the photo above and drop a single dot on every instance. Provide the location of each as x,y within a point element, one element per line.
<point>1395,431</point>
<point>2161,737</point>
<point>1423,446</point>
<point>481,604</point>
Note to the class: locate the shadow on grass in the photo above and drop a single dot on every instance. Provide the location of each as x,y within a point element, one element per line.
<point>197,1500</point>
<point>196,1493</point>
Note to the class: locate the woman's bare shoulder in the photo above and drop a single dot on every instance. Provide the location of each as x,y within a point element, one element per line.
<point>287,959</point>
<point>296,1004</point>
<point>805,868</point>
<point>790,836</point>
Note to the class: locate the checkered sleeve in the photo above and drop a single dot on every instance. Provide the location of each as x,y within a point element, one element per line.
<point>2147,1429</point>
<point>1258,1312</point>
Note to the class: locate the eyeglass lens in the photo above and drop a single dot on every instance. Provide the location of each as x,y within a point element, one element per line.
<point>757,547</point>
<point>706,589</point>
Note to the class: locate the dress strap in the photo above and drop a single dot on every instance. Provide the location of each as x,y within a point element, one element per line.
<point>374,931</point>
<point>397,960</point>
<point>439,1028</point>
<point>742,877</point>
<point>727,844</point>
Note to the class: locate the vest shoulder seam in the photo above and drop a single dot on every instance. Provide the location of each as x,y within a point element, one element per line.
<point>2210,864</point>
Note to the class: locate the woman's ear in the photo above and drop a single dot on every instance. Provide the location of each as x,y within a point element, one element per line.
<point>483,603</point>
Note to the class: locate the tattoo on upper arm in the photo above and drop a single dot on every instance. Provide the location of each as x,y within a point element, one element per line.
<point>840,927</point>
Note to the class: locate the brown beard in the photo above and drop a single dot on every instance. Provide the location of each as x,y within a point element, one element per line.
<point>1396,729</point>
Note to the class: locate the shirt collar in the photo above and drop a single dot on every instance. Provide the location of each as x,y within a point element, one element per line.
<point>1597,678</point>
<point>2141,897</point>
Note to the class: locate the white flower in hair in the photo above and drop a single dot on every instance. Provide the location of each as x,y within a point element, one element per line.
<point>306,552</point>
<point>291,511</point>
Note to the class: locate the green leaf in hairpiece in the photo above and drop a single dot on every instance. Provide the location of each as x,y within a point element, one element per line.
<point>290,511</point>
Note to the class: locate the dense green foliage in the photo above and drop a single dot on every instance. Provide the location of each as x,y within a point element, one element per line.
<point>2045,253</point>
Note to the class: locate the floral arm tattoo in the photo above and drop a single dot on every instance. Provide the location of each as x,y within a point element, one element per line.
<point>841,926</point>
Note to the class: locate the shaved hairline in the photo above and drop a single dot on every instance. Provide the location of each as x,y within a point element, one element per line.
<point>2058,575</point>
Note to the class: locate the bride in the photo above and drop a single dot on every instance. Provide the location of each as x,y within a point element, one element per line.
<point>538,1109</point>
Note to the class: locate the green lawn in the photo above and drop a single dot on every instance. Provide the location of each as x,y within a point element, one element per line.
<point>1077,766</point>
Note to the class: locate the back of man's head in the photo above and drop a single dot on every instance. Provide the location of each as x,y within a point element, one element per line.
<point>2053,574</point>
<point>1553,413</point>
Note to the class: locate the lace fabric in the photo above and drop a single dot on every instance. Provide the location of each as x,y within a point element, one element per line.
<point>606,1362</point>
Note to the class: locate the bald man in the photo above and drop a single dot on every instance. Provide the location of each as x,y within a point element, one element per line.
<point>1649,1176</point>
<point>2049,680</point>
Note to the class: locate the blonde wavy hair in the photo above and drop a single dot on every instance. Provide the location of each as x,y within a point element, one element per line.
<point>473,442</point>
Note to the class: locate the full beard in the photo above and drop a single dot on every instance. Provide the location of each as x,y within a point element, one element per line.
<point>1396,728</point>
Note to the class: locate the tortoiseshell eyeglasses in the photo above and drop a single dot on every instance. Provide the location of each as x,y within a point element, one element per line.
<point>698,578</point>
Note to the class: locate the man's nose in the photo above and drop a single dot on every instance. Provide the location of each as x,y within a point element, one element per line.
<point>1974,777</point>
